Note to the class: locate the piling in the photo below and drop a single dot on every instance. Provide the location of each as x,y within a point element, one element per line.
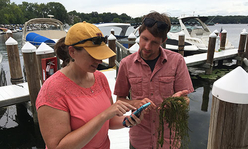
<point>131,37</point>
<point>223,39</point>
<point>181,43</point>
<point>43,51</point>
<point>112,31</point>
<point>9,34</point>
<point>246,47</point>
<point>32,73</point>
<point>34,85</point>
<point>112,46</point>
<point>216,32</point>
<point>241,47</point>
<point>14,61</point>
<point>228,127</point>
<point>210,54</point>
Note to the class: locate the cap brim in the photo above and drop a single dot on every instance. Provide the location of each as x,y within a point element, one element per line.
<point>100,52</point>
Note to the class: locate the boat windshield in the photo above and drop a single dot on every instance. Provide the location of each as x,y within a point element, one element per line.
<point>175,28</point>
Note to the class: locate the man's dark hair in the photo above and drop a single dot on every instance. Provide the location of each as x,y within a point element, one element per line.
<point>154,29</point>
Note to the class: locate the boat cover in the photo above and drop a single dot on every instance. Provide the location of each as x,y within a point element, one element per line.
<point>37,39</point>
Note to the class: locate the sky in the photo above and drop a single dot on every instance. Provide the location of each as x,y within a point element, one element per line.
<point>138,8</point>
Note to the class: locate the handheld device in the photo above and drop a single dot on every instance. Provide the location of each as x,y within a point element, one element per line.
<point>137,112</point>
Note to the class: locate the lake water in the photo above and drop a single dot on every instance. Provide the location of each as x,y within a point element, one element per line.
<point>19,132</point>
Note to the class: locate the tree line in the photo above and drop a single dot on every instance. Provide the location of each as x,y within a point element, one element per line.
<point>12,13</point>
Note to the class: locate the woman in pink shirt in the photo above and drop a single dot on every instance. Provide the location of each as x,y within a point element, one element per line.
<point>75,108</point>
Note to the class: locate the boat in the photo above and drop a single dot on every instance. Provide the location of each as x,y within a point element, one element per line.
<point>3,30</point>
<point>47,30</point>
<point>121,29</point>
<point>196,34</point>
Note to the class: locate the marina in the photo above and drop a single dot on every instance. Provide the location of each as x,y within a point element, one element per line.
<point>13,94</point>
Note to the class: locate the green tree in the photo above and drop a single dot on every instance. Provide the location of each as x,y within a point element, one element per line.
<point>117,20</point>
<point>12,14</point>
<point>4,3</point>
<point>58,10</point>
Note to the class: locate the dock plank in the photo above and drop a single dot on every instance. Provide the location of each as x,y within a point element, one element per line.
<point>13,94</point>
<point>198,59</point>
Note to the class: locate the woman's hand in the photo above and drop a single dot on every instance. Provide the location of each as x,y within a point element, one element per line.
<point>134,120</point>
<point>119,108</point>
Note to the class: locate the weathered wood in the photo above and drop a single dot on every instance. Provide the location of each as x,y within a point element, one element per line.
<point>131,37</point>
<point>246,47</point>
<point>14,64</point>
<point>112,46</point>
<point>241,48</point>
<point>223,40</point>
<point>228,125</point>
<point>14,61</point>
<point>181,44</point>
<point>34,85</point>
<point>210,54</point>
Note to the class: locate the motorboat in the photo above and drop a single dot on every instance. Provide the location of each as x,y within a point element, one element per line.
<point>3,30</point>
<point>121,29</point>
<point>47,30</point>
<point>196,34</point>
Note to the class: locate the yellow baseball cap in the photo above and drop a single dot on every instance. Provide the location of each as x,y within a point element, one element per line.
<point>89,37</point>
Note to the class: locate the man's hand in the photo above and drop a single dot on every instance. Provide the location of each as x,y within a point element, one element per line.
<point>184,94</point>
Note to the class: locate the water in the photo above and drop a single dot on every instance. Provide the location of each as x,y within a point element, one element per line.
<point>17,131</point>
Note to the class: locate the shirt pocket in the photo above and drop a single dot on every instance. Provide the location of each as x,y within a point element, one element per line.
<point>136,86</point>
<point>166,86</point>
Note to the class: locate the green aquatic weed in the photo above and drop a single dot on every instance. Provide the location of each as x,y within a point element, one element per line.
<point>174,112</point>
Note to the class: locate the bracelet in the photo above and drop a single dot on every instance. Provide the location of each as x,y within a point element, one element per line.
<point>124,123</point>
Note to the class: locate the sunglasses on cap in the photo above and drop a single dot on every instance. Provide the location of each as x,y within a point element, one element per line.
<point>149,22</point>
<point>95,40</point>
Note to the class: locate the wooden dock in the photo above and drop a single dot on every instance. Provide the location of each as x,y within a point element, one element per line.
<point>13,94</point>
<point>199,59</point>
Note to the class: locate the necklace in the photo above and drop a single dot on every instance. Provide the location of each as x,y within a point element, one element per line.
<point>91,90</point>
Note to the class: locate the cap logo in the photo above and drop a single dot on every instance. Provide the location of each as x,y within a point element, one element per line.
<point>99,34</point>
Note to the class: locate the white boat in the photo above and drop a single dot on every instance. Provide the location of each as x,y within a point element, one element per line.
<point>122,30</point>
<point>196,34</point>
<point>38,30</point>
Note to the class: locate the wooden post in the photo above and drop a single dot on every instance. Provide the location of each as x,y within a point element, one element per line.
<point>241,47</point>
<point>246,47</point>
<point>131,37</point>
<point>205,96</point>
<point>210,54</point>
<point>112,31</point>
<point>34,85</point>
<point>223,39</point>
<point>228,128</point>
<point>43,51</point>
<point>112,46</point>
<point>9,34</point>
<point>14,61</point>
<point>181,43</point>
<point>216,32</point>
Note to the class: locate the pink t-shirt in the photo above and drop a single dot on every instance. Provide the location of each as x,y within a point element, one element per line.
<point>169,76</point>
<point>83,104</point>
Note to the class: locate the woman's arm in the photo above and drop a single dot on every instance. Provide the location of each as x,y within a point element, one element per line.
<point>56,131</point>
